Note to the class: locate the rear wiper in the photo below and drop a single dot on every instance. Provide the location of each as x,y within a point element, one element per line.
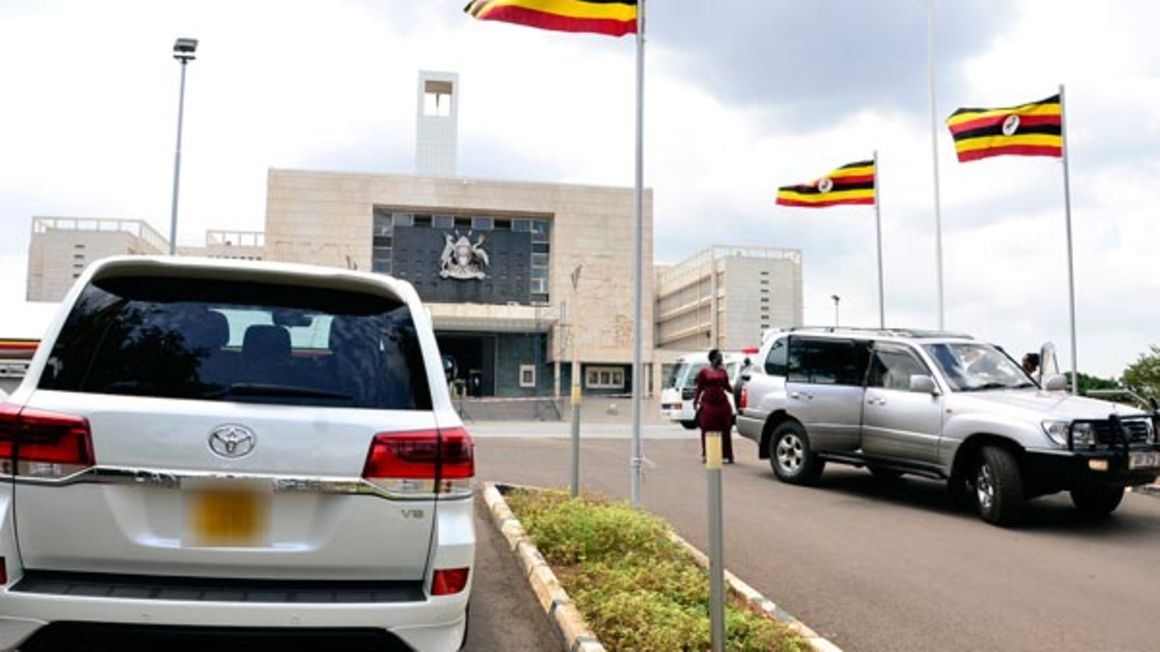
<point>269,389</point>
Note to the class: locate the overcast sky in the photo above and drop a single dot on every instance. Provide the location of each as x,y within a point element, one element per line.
<point>741,97</point>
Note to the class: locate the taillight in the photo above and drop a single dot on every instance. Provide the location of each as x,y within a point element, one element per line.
<point>743,401</point>
<point>449,581</point>
<point>421,463</point>
<point>43,444</point>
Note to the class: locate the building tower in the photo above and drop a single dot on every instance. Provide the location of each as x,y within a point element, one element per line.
<point>436,133</point>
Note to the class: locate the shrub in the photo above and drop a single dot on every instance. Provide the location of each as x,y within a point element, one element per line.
<point>637,589</point>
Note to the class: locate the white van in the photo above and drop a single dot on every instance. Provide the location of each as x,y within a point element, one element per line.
<point>677,393</point>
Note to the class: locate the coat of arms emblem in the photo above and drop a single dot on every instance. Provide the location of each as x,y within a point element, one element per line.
<point>463,259</point>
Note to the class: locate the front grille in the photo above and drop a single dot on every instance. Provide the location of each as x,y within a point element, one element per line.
<point>207,589</point>
<point>1108,434</point>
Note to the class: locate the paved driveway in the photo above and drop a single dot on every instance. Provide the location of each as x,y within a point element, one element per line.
<point>881,566</point>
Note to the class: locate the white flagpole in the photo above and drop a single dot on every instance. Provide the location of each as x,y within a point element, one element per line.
<point>1070,260</point>
<point>934,149</point>
<point>878,227</point>
<point>638,260</point>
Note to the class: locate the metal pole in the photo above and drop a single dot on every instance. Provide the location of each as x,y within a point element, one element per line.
<point>716,541</point>
<point>934,153</point>
<point>1070,261</point>
<point>576,392</point>
<point>177,165</point>
<point>638,259</point>
<point>878,226</point>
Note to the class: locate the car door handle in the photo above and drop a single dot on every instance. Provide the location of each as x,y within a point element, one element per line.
<point>799,395</point>
<point>875,401</point>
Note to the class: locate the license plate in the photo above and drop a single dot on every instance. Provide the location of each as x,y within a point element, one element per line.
<point>228,515</point>
<point>1144,461</point>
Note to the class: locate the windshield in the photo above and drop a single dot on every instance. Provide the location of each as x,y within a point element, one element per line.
<point>691,371</point>
<point>972,367</point>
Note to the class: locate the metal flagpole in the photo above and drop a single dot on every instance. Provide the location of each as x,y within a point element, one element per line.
<point>1070,261</point>
<point>638,259</point>
<point>934,149</point>
<point>878,227</point>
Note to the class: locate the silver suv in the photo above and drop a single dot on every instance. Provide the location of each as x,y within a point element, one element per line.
<point>942,406</point>
<point>206,448</point>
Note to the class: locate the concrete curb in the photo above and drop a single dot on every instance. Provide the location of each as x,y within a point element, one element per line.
<point>816,641</point>
<point>566,620</point>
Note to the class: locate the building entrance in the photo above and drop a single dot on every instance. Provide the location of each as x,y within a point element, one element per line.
<point>474,357</point>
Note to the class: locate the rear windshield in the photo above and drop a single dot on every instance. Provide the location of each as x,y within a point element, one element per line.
<point>239,341</point>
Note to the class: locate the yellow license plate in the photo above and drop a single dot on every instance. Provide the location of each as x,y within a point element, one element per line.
<point>229,516</point>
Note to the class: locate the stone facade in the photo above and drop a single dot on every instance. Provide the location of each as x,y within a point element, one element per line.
<point>62,247</point>
<point>726,297</point>
<point>326,218</point>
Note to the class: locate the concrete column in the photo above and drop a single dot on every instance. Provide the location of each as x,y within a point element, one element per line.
<point>556,379</point>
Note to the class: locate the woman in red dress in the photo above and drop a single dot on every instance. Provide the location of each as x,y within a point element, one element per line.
<point>711,399</point>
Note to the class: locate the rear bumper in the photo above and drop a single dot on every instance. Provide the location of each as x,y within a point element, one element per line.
<point>1052,471</point>
<point>750,427</point>
<point>435,623</point>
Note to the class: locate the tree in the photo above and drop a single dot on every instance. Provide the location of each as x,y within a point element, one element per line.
<point>1088,383</point>
<point>1143,376</point>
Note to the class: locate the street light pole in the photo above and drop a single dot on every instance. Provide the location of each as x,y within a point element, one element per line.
<point>836,299</point>
<point>183,51</point>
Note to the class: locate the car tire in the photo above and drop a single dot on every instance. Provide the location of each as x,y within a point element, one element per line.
<point>1097,501</point>
<point>883,473</point>
<point>791,457</point>
<point>690,424</point>
<point>998,486</point>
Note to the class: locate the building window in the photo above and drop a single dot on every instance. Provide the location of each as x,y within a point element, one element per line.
<point>443,222</point>
<point>527,375</point>
<point>437,98</point>
<point>605,377</point>
<point>482,223</point>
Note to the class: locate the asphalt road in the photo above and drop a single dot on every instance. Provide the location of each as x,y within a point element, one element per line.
<point>881,566</point>
<point>504,612</point>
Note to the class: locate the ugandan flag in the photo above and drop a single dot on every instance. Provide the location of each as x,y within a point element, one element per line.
<point>611,17</point>
<point>849,184</point>
<point>1033,129</point>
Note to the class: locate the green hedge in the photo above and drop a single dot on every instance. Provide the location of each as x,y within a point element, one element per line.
<point>637,589</point>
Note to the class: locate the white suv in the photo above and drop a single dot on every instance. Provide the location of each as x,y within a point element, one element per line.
<point>208,447</point>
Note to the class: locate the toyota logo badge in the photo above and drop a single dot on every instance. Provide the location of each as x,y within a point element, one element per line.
<point>232,440</point>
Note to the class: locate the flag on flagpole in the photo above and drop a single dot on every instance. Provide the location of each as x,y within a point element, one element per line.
<point>1031,129</point>
<point>611,17</point>
<point>849,184</point>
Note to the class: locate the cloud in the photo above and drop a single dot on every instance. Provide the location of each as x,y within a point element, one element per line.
<point>810,63</point>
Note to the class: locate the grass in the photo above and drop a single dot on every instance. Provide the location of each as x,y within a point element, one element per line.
<point>637,589</point>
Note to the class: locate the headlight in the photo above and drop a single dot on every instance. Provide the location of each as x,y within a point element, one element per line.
<point>1082,434</point>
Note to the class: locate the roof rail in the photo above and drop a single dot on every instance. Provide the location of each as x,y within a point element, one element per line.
<point>916,333</point>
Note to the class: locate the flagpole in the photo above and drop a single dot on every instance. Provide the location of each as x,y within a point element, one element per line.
<point>1070,260</point>
<point>934,149</point>
<point>878,228</point>
<point>638,259</point>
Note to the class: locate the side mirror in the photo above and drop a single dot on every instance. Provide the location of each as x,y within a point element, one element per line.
<point>1056,383</point>
<point>923,384</point>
